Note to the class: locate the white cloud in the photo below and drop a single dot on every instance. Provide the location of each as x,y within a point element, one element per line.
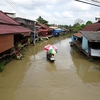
<point>67,14</point>
<point>57,14</point>
<point>79,6</point>
<point>51,7</point>
<point>54,11</point>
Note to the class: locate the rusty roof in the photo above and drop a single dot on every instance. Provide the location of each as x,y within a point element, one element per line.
<point>91,36</point>
<point>44,26</point>
<point>6,19</point>
<point>92,27</point>
<point>8,29</point>
<point>78,35</point>
<point>8,25</point>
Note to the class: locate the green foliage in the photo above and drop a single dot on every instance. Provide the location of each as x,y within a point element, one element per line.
<point>4,61</point>
<point>42,21</point>
<point>69,35</point>
<point>88,22</point>
<point>83,25</point>
<point>19,45</point>
<point>90,59</point>
<point>76,28</point>
<point>2,64</point>
<point>63,26</point>
<point>78,25</point>
<point>79,21</point>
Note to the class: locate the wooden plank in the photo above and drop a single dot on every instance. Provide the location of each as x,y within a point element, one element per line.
<point>6,42</point>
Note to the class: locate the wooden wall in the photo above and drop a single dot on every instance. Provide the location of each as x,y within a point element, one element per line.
<point>42,34</point>
<point>6,42</point>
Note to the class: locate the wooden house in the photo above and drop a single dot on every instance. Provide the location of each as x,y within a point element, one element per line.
<point>58,31</point>
<point>88,40</point>
<point>92,27</point>
<point>91,43</point>
<point>30,24</point>
<point>11,33</point>
<point>44,30</point>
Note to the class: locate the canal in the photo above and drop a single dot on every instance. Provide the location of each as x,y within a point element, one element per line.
<point>70,77</point>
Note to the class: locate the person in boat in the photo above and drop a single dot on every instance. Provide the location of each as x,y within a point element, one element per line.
<point>49,55</point>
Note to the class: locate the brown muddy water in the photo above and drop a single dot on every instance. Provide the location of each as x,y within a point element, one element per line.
<point>70,77</point>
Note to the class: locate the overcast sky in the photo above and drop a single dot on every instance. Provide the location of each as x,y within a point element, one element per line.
<point>64,12</point>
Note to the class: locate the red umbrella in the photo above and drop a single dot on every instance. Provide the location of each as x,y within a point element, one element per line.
<point>48,47</point>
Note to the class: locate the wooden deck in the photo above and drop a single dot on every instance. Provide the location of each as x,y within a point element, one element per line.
<point>78,44</point>
<point>47,37</point>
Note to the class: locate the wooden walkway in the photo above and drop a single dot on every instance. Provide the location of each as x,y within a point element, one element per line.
<point>47,37</point>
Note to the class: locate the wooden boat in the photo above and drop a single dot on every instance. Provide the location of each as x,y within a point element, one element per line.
<point>50,57</point>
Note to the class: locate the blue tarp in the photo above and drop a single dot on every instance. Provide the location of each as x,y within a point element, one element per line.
<point>57,31</point>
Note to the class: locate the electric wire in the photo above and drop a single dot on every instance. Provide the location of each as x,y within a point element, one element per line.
<point>11,3</point>
<point>92,2</point>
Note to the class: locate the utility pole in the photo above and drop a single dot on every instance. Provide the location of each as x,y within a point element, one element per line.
<point>34,33</point>
<point>34,24</point>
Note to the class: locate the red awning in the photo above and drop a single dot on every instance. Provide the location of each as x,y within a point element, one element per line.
<point>8,29</point>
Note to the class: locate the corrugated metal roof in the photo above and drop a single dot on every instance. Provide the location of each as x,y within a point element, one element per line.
<point>91,36</point>
<point>92,27</point>
<point>24,19</point>
<point>8,25</point>
<point>7,29</point>
<point>54,27</point>
<point>42,30</point>
<point>78,35</point>
<point>6,19</point>
<point>44,26</point>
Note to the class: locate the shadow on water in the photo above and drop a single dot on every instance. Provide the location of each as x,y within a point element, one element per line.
<point>88,71</point>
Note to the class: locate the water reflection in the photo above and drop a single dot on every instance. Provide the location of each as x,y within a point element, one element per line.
<point>50,67</point>
<point>70,77</point>
<point>88,71</point>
